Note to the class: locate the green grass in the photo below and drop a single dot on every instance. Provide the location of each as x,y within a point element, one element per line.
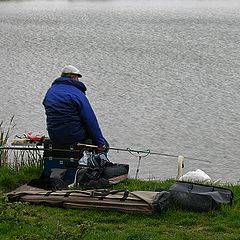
<point>25,221</point>
<point>10,178</point>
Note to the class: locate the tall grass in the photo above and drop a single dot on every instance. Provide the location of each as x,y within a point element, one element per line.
<point>24,158</point>
<point>4,136</point>
<point>16,159</point>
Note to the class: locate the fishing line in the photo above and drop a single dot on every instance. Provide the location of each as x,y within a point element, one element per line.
<point>159,154</point>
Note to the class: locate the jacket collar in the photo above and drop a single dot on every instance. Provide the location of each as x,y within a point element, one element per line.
<point>68,81</point>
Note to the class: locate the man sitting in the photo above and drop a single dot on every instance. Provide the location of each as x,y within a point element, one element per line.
<point>70,117</point>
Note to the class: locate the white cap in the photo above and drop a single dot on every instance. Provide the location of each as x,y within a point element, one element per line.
<point>69,69</point>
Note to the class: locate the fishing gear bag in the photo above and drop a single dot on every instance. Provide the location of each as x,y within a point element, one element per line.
<point>96,171</point>
<point>123,201</point>
<point>199,197</point>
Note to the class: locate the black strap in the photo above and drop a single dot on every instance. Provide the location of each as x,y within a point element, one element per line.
<point>48,193</point>
<point>125,195</point>
<point>190,187</point>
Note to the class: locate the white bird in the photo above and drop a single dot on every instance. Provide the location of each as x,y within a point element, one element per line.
<point>193,176</point>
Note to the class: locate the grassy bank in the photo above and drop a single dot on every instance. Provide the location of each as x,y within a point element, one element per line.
<point>25,221</point>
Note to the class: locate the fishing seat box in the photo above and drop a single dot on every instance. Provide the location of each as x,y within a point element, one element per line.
<point>63,157</point>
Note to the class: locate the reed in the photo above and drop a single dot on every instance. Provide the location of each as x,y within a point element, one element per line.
<point>23,158</point>
<point>16,159</point>
<point>4,137</point>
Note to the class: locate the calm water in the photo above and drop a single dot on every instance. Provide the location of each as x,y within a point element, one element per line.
<point>161,75</point>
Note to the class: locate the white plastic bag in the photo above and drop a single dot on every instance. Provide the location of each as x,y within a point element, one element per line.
<point>85,159</point>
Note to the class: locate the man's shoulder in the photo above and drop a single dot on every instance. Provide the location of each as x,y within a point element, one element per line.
<point>66,92</point>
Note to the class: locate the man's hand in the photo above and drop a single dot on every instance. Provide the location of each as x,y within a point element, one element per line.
<point>101,148</point>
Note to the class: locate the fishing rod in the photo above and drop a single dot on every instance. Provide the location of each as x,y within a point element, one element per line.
<point>156,153</point>
<point>87,146</point>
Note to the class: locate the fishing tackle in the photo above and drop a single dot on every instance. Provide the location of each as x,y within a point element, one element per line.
<point>89,146</point>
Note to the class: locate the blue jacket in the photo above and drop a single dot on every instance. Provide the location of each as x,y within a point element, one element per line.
<point>70,117</point>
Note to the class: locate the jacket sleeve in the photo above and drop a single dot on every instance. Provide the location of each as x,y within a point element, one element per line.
<point>90,120</point>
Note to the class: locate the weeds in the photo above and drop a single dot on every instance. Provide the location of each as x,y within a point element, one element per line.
<point>4,136</point>
<point>14,158</point>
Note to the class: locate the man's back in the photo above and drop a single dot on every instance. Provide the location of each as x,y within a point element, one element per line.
<point>70,118</point>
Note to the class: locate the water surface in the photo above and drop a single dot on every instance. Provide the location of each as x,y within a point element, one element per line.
<point>161,75</point>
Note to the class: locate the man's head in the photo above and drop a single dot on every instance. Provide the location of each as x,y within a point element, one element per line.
<point>72,72</point>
